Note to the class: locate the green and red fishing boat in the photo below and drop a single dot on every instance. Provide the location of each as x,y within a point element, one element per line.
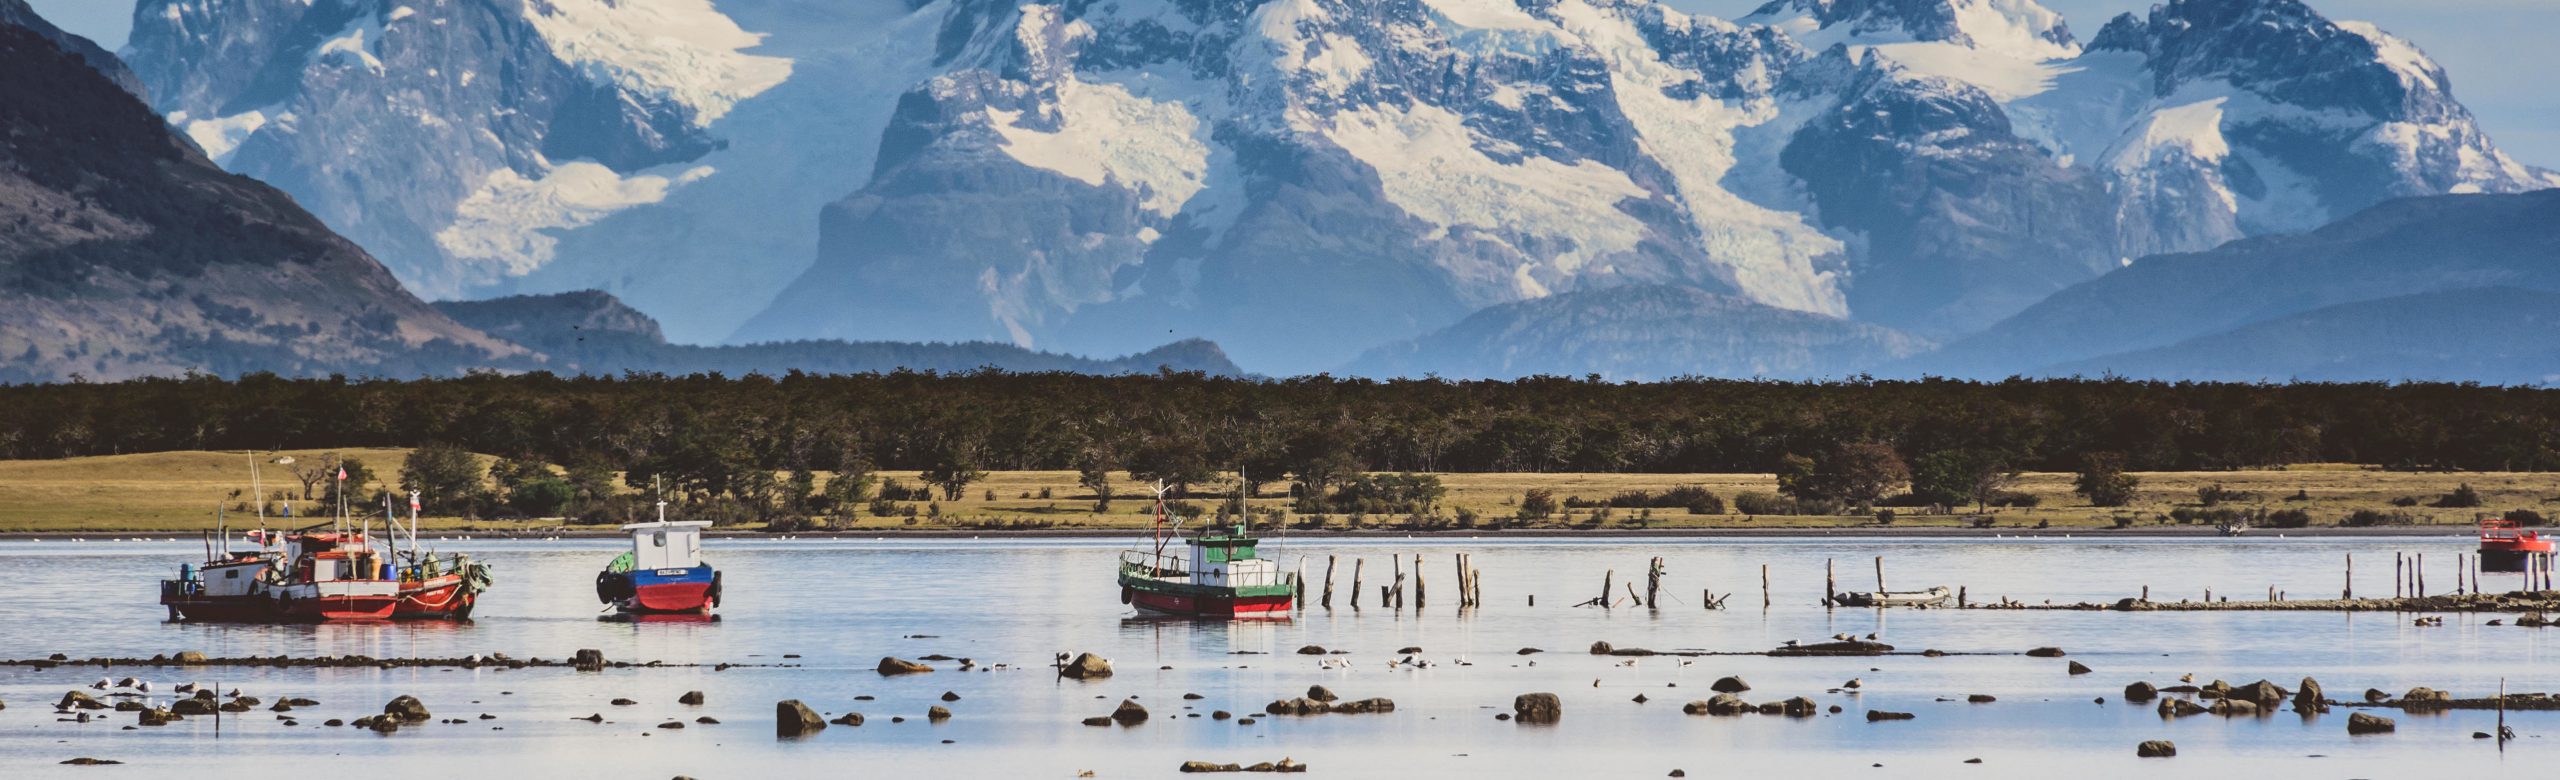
<point>1218,574</point>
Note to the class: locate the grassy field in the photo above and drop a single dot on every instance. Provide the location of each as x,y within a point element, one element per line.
<point>177,492</point>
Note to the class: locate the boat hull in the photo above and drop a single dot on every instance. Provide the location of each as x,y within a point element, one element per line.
<point>694,591</point>
<point>265,609</point>
<point>2510,558</point>
<point>445,597</point>
<point>1206,602</point>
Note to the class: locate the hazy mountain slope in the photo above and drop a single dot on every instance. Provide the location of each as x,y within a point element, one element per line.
<point>2408,246</point>
<point>591,332</point>
<point>17,12</point>
<point>2498,335</point>
<point>124,252</point>
<point>1641,332</point>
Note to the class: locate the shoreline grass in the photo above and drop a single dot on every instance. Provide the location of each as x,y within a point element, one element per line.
<point>178,492</point>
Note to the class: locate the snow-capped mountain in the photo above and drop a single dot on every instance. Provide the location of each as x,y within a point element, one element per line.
<point>1297,179</point>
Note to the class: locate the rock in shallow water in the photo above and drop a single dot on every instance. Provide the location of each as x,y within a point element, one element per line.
<point>2158,748</point>
<point>792,718</point>
<point>1537,707</point>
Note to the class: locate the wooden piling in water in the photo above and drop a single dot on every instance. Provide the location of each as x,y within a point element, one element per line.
<point>1879,574</point>
<point>1606,579</point>
<point>2421,568</point>
<point>1830,585</point>
<point>1356,565</point>
<point>2399,575</point>
<point>1397,599</point>
<point>1460,562</point>
<point>1298,595</point>
<point>1418,595</point>
<point>1328,581</point>
<point>2350,591</point>
<point>2146,593</point>
<point>1960,597</point>
<point>1764,586</point>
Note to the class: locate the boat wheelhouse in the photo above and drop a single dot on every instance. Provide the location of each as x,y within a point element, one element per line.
<point>663,574</point>
<point>1220,574</point>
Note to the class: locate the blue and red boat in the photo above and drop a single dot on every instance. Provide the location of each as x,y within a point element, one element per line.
<point>663,574</point>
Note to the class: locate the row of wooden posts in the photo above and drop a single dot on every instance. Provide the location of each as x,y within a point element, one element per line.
<point>2409,579</point>
<point>1470,582</point>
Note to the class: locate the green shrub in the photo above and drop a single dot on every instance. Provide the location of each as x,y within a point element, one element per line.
<point>2462,497</point>
<point>1763,504</point>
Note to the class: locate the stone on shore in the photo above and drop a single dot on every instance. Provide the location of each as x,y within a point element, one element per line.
<point>406,708</point>
<point>2179,708</point>
<point>2158,748</point>
<point>891,666</point>
<point>2262,693</point>
<point>792,718</point>
<point>1729,685</point>
<point>1129,713</point>
<point>1537,708</point>
<point>2365,723</point>
<point>1087,666</point>
<point>2309,698</point>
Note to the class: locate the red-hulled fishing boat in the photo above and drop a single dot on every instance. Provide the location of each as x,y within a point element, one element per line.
<point>316,575</point>
<point>2504,547</point>
<point>1220,575</point>
<point>435,587</point>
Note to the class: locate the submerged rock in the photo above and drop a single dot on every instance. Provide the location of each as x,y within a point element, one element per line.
<point>2139,692</point>
<point>1086,666</point>
<point>792,718</point>
<point>406,708</point>
<point>1877,715</point>
<point>1537,707</point>
<point>892,666</point>
<point>2309,698</point>
<point>2365,723</point>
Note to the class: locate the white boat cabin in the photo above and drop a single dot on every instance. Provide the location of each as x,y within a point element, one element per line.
<point>666,545</point>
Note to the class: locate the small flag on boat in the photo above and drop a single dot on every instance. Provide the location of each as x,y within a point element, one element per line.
<point>342,473</point>
<point>413,501</point>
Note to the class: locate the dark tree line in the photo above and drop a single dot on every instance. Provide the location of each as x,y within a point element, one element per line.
<point>723,435</point>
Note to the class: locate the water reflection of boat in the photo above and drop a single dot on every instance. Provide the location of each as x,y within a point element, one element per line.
<point>1221,576</point>
<point>1932,597</point>
<point>2505,547</point>
<point>663,574</point>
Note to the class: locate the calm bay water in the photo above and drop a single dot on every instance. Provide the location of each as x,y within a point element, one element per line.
<point>843,604</point>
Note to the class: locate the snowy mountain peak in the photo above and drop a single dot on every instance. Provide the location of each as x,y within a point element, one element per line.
<point>2020,28</point>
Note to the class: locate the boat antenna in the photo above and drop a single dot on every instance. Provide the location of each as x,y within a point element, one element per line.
<point>413,523</point>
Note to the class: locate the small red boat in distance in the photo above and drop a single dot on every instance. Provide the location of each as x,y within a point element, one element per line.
<point>2505,547</point>
<point>663,574</point>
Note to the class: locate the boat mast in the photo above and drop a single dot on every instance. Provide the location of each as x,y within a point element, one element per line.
<point>1159,526</point>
